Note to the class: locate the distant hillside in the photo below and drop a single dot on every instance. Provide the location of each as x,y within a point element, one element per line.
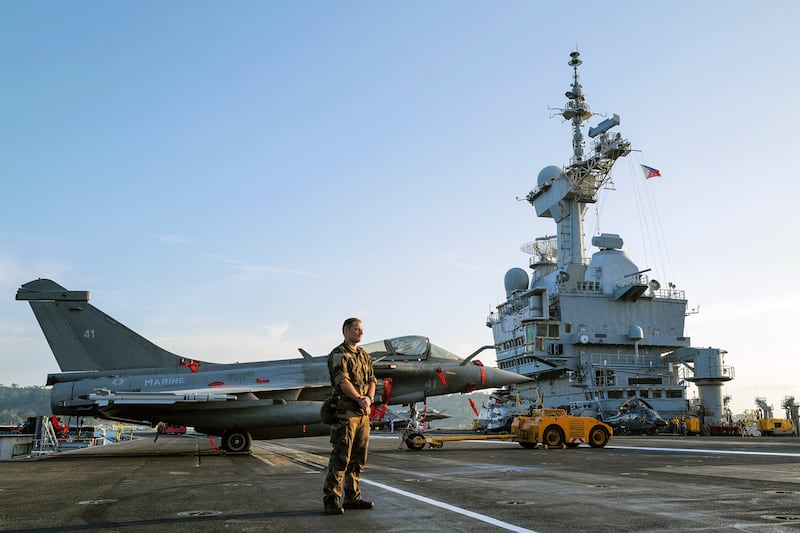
<point>18,403</point>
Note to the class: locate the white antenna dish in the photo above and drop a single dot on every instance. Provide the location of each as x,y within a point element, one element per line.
<point>544,249</point>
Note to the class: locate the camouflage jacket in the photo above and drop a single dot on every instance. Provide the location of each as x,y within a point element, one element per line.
<point>356,367</point>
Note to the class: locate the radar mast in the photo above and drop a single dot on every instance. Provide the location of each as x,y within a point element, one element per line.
<point>563,195</point>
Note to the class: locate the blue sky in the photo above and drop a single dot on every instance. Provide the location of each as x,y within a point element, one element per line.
<point>233,179</point>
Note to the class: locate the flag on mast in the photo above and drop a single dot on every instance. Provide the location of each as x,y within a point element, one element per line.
<point>650,172</point>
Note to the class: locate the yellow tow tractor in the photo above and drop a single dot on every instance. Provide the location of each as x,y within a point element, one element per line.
<point>550,428</point>
<point>775,426</point>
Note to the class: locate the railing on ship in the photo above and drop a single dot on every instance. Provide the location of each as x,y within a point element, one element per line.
<point>584,287</point>
<point>623,359</point>
<point>670,294</point>
<point>723,372</point>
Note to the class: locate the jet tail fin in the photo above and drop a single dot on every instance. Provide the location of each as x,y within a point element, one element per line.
<point>84,338</point>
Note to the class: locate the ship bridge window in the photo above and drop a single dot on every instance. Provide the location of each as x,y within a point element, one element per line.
<point>514,362</point>
<point>513,343</point>
<point>555,348</point>
<point>530,333</point>
<point>604,378</point>
<point>544,331</point>
<point>588,286</point>
<point>644,381</point>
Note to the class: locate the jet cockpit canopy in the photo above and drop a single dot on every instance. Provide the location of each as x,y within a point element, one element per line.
<point>407,348</point>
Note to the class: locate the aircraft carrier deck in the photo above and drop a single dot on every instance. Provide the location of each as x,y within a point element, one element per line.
<point>642,484</point>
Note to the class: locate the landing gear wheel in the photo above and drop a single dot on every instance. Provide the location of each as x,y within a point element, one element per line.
<point>415,441</point>
<point>573,444</point>
<point>528,445</point>
<point>236,441</point>
<point>598,437</point>
<point>553,438</point>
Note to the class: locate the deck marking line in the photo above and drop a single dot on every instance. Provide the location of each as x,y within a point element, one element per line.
<point>701,450</point>
<point>320,467</point>
<point>435,503</point>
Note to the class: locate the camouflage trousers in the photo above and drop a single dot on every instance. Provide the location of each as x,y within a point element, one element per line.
<point>350,440</point>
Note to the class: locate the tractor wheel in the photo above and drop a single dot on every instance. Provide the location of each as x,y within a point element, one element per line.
<point>598,437</point>
<point>237,441</point>
<point>415,441</point>
<point>553,437</point>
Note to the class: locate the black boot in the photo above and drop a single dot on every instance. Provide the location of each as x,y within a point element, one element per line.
<point>358,504</point>
<point>332,507</point>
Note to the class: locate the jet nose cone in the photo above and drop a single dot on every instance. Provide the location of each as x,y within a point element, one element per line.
<point>496,378</point>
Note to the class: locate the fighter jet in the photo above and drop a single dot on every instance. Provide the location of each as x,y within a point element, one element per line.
<point>636,416</point>
<point>108,371</point>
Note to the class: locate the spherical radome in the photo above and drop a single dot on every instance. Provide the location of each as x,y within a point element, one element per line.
<point>547,174</point>
<point>516,280</point>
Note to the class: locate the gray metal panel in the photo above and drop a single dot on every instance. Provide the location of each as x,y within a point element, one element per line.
<point>84,338</point>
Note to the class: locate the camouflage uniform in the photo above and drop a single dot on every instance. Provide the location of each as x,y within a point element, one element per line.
<point>350,432</point>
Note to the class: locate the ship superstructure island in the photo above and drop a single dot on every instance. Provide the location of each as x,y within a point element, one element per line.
<point>597,332</point>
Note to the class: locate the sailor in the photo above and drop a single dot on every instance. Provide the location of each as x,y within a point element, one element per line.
<point>354,382</point>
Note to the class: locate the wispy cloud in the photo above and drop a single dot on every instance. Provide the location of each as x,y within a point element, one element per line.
<point>265,342</point>
<point>250,271</point>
